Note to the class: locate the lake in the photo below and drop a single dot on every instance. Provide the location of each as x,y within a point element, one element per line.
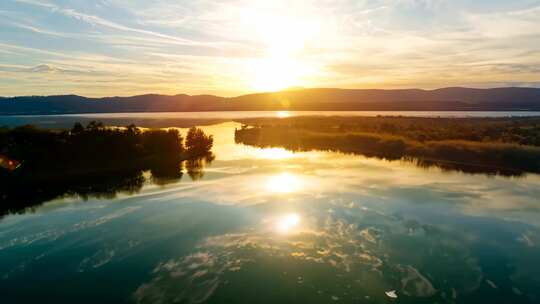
<point>158,119</point>
<point>272,226</point>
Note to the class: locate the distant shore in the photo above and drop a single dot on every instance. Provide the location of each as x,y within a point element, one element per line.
<point>315,99</point>
<point>189,119</point>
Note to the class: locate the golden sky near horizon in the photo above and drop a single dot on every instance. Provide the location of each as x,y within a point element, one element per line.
<point>121,47</point>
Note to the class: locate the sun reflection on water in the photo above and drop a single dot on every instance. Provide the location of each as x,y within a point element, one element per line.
<point>283,114</point>
<point>287,223</point>
<point>274,153</point>
<point>284,183</point>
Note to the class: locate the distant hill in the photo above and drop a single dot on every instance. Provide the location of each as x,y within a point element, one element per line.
<point>446,99</point>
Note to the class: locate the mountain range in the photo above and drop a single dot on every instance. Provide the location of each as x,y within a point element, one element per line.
<point>321,99</point>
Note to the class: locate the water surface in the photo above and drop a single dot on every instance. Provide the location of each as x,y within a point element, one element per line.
<point>272,226</point>
<point>154,119</point>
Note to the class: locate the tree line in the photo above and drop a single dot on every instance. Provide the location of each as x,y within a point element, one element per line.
<point>93,160</point>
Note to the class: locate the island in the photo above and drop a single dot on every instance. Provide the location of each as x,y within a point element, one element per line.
<point>95,160</point>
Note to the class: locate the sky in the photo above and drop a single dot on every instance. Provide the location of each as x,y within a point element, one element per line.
<point>228,48</point>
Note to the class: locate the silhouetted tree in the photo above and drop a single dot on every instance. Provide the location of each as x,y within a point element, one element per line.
<point>133,130</point>
<point>165,145</point>
<point>77,128</point>
<point>197,143</point>
<point>94,125</point>
<point>195,167</point>
<point>91,161</point>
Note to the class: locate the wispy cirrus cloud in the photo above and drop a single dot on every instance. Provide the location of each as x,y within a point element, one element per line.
<point>98,21</point>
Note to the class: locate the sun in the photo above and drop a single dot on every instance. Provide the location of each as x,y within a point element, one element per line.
<point>274,74</point>
<point>284,38</point>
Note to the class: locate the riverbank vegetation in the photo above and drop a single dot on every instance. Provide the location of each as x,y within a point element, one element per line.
<point>507,146</point>
<point>93,161</point>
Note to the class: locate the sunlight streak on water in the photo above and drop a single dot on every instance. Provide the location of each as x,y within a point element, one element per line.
<point>287,223</point>
<point>270,216</point>
<point>274,153</point>
<point>284,183</point>
<point>283,114</point>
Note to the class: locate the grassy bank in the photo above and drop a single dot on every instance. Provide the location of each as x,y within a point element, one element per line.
<point>507,146</point>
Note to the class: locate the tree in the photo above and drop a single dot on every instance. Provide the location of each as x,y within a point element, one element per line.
<point>94,126</point>
<point>198,143</point>
<point>133,130</point>
<point>77,128</point>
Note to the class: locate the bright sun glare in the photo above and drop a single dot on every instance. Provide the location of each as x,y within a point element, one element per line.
<point>284,183</point>
<point>274,153</point>
<point>283,114</point>
<point>284,37</point>
<point>287,222</point>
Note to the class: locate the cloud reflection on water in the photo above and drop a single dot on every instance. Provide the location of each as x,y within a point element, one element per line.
<point>329,226</point>
<point>370,226</point>
<point>358,255</point>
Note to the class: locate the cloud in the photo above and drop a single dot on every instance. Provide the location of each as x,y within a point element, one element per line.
<point>98,21</point>
<point>17,49</point>
<point>506,24</point>
<point>220,47</point>
<point>51,69</point>
<point>43,68</point>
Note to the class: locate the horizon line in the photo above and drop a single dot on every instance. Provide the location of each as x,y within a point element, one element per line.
<point>275,92</point>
